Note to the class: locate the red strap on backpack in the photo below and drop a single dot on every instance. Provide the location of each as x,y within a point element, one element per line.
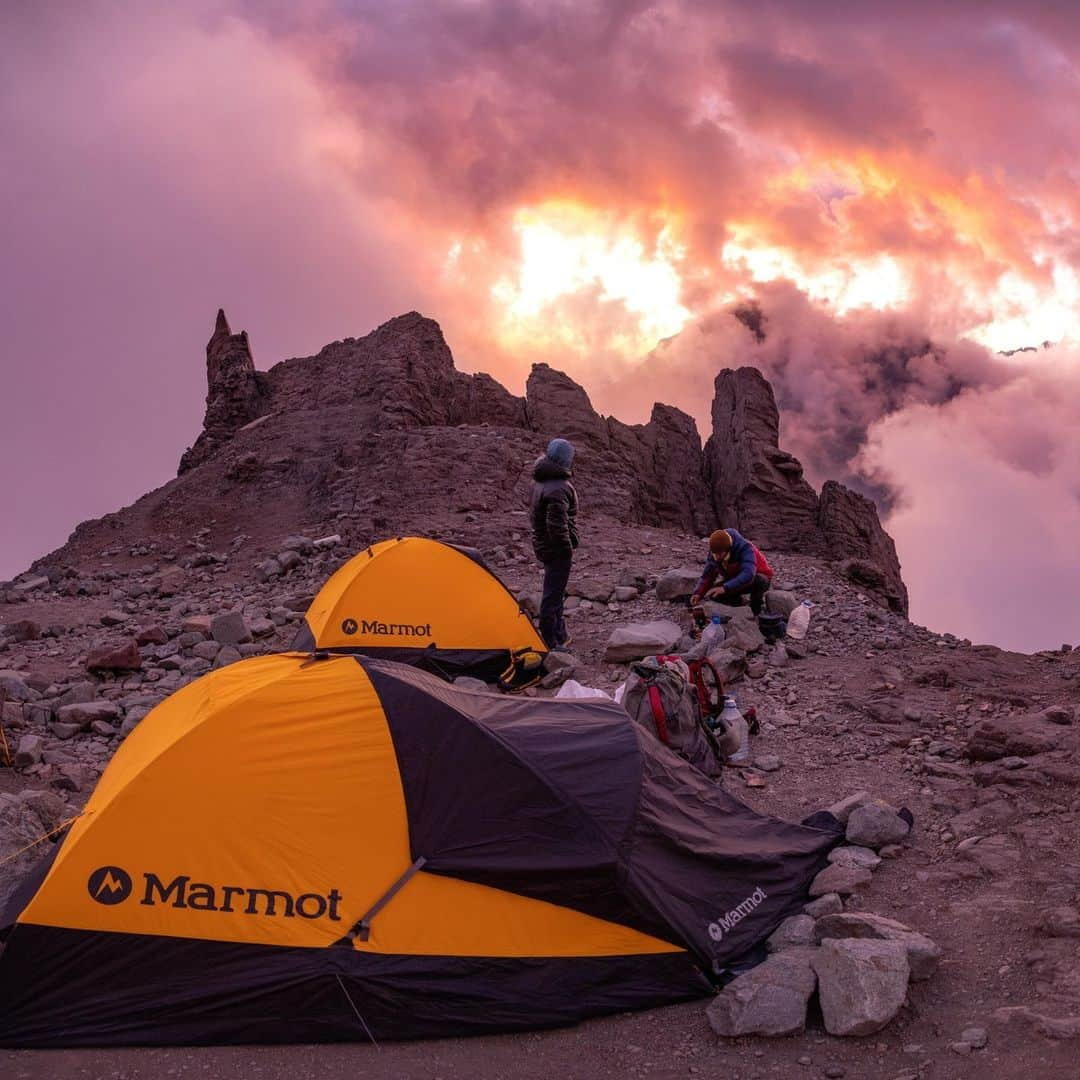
<point>659,716</point>
<point>708,702</point>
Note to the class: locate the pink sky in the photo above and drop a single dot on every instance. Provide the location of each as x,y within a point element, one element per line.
<point>591,184</point>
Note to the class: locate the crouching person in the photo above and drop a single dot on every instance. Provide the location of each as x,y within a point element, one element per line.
<point>741,568</point>
<point>554,535</point>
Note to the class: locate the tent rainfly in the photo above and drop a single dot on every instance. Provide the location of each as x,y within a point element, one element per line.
<point>302,849</point>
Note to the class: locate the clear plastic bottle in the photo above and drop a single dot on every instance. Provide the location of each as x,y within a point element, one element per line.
<point>799,621</point>
<point>734,733</point>
<point>713,634</point>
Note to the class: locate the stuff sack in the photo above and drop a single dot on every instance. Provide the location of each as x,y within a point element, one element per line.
<point>661,698</point>
<point>772,627</point>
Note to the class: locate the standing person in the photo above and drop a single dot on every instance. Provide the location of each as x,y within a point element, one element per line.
<point>554,534</point>
<point>741,568</point>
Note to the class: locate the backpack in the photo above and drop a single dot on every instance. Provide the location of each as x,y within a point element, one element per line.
<point>672,699</point>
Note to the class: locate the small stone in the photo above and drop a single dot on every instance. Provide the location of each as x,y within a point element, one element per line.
<point>851,855</point>
<point>975,1037</point>
<point>29,751</point>
<point>767,762</point>
<point>122,657</point>
<point>151,635</point>
<point>113,618</point>
<point>230,629</point>
<point>197,624</point>
<point>842,810</point>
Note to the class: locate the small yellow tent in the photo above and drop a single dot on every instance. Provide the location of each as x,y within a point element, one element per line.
<point>420,602</point>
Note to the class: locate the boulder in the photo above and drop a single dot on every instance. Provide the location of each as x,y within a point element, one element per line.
<point>730,664</point>
<point>922,953</point>
<point>230,629</point>
<point>843,880</point>
<point>636,640</point>
<point>770,999</point>
<point>678,584</point>
<point>829,904</point>
<point>862,985</point>
<point>1012,736</point>
<point>122,657</point>
<point>875,824</point>
<point>196,624</point>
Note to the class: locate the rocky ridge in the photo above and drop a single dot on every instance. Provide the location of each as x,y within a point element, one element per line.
<point>367,421</point>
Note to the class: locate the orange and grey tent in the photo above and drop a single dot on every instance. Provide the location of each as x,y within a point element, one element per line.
<point>310,849</point>
<point>421,602</point>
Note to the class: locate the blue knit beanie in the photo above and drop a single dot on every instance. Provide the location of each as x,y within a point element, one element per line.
<point>561,453</point>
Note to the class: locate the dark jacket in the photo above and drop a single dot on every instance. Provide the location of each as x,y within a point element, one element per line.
<point>743,563</point>
<point>554,511</point>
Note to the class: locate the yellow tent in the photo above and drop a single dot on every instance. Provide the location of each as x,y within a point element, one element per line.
<point>421,602</point>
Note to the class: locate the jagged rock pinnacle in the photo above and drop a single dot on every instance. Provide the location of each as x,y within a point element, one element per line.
<point>221,326</point>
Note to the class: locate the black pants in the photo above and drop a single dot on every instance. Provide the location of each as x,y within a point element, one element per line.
<point>757,590</point>
<point>552,623</point>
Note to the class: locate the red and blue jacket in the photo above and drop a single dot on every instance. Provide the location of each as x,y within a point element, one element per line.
<point>739,567</point>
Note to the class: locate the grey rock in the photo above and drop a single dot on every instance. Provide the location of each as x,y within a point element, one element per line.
<point>303,544</point>
<point>624,594</point>
<point>65,731</point>
<point>742,631</point>
<point>796,931</point>
<point>875,825</point>
<point>829,904</point>
<point>781,602</point>
<point>84,714</point>
<point>288,560</point>
<point>28,751</point>
<point>842,810</point>
<point>839,879</point>
<point>267,569</point>
<point>113,618</point>
<point>261,628</point>
<point>770,999</point>
<point>678,584</point>
<point>767,762</point>
<point>636,640</point>
<point>15,688</point>
<point>229,654</point>
<point>325,543</point>
<point>849,855</point>
<point>730,664</point>
<point>230,628</point>
<point>207,650</point>
<point>862,985</point>
<point>923,954</point>
<point>975,1037</point>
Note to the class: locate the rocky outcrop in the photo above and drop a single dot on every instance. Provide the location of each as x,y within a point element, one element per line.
<point>235,392</point>
<point>757,488</point>
<point>760,490</point>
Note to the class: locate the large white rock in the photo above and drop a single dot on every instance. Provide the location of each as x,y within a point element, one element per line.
<point>861,984</point>
<point>770,999</point>
<point>641,639</point>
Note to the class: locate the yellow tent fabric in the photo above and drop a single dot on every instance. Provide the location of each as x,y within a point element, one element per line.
<point>403,598</point>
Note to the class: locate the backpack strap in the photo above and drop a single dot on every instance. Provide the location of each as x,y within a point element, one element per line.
<point>659,716</point>
<point>710,690</point>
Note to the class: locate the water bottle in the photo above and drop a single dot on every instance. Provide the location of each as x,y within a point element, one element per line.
<point>713,634</point>
<point>799,621</point>
<point>733,732</point>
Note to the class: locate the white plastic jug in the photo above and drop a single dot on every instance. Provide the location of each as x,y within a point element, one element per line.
<point>799,621</point>
<point>713,634</point>
<point>735,738</point>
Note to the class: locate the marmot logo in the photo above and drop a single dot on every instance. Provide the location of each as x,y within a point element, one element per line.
<point>382,629</point>
<point>109,885</point>
<point>736,915</point>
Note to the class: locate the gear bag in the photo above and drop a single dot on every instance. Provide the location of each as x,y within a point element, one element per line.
<point>663,697</point>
